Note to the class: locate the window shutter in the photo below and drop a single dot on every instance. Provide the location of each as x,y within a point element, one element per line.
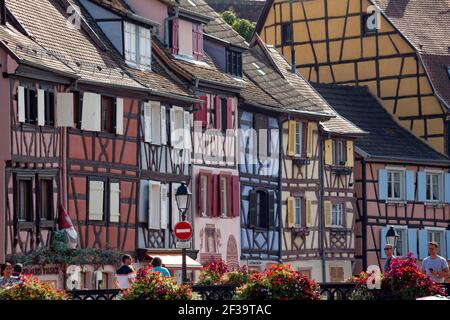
<point>164,210</point>
<point>308,217</point>
<point>173,138</point>
<point>175,33</point>
<point>423,244</point>
<point>252,210</point>
<point>422,186</point>
<point>163,126</point>
<point>216,197</point>
<point>114,200</point>
<point>292,137</point>
<point>130,42</point>
<point>156,122</point>
<point>410,186</point>
<point>329,152</point>
<point>187,130</point>
<point>154,205</point>
<point>382,184</point>
<point>230,196</point>
<point>91,115</point>
<point>328,207</point>
<point>412,241</point>
<point>350,154</point>
<point>230,110</point>
<point>145,55</point>
<point>221,187</point>
<point>310,141</point>
<point>383,232</point>
<point>217,112</point>
<point>41,107</point>
<point>147,122</point>
<point>197,39</point>
<point>202,114</point>
<point>119,116</point>
<point>236,196</point>
<point>21,104</point>
<point>175,212</point>
<point>271,208</point>
<point>96,190</point>
<point>446,187</point>
<point>448,244</point>
<point>201,210</point>
<point>64,109</point>
<point>291,212</point>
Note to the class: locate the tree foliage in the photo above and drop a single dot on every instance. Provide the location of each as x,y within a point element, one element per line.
<point>244,27</point>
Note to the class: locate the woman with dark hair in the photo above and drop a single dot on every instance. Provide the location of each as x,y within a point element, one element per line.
<point>146,267</point>
<point>7,279</point>
<point>157,267</point>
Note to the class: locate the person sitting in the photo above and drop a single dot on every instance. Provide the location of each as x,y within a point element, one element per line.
<point>156,263</point>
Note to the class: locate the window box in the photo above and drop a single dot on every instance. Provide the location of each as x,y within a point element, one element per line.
<point>300,231</point>
<point>396,203</point>
<point>301,161</point>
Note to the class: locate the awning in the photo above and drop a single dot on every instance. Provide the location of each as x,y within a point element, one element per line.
<point>174,260</point>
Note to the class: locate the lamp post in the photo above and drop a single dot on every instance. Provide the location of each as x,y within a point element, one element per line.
<point>183,197</point>
<point>392,238</point>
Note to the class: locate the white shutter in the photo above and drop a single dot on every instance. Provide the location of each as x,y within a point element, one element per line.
<point>96,189</point>
<point>145,48</point>
<point>130,42</point>
<point>175,212</point>
<point>148,122</point>
<point>114,202</point>
<point>41,107</point>
<point>21,104</point>
<point>156,122</point>
<point>164,210</point>
<point>119,116</point>
<point>173,138</point>
<point>163,126</point>
<point>187,130</point>
<point>91,113</point>
<point>154,205</point>
<point>64,109</point>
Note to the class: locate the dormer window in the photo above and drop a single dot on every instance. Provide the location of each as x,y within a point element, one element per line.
<point>138,47</point>
<point>185,38</point>
<point>234,63</point>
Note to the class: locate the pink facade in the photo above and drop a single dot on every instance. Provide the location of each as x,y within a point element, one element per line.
<point>154,10</point>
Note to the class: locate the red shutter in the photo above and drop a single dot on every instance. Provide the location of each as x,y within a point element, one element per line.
<point>197,38</point>
<point>175,26</point>
<point>236,194</point>
<point>220,188</point>
<point>215,196</point>
<point>217,112</point>
<point>230,110</point>
<point>210,193</point>
<point>202,114</point>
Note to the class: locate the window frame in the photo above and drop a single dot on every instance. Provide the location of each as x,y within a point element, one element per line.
<point>442,245</point>
<point>233,63</point>
<point>336,218</point>
<point>223,189</point>
<point>339,152</point>
<point>31,104</point>
<point>392,186</point>
<point>138,44</point>
<point>49,215</point>
<point>287,26</point>
<point>29,217</point>
<point>440,175</point>
<point>298,212</point>
<point>108,124</point>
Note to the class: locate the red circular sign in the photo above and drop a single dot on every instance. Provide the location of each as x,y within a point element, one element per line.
<point>183,231</point>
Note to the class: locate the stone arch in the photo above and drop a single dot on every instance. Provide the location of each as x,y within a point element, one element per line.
<point>232,253</point>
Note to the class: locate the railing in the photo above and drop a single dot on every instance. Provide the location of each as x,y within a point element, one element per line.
<point>224,292</point>
<point>336,291</point>
<point>109,294</point>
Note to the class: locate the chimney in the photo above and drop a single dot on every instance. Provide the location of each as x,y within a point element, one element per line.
<point>2,13</point>
<point>293,64</point>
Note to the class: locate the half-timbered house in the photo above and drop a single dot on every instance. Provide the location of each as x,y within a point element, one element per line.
<point>399,49</point>
<point>399,181</point>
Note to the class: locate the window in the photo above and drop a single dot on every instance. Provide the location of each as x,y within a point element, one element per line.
<point>224,114</point>
<point>25,200</point>
<point>261,209</point>
<point>434,187</point>
<point>137,46</point>
<point>46,199</point>
<point>234,63</point>
<point>298,212</point>
<point>337,218</point>
<point>336,274</point>
<point>197,34</point>
<point>77,105</point>
<point>402,243</point>
<point>108,117</point>
<point>31,106</point>
<point>49,108</point>
<point>438,237</point>
<point>340,153</point>
<point>369,23</point>
<point>286,33</point>
<point>204,194</point>
<point>396,185</point>
<point>223,196</point>
<point>210,239</point>
<point>298,139</point>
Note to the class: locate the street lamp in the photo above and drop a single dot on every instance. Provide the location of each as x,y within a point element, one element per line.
<point>392,238</point>
<point>183,197</point>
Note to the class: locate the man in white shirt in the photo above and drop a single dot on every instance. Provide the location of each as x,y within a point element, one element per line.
<point>125,275</point>
<point>434,265</point>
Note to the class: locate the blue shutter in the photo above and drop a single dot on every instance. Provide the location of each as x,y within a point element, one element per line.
<point>448,244</point>
<point>423,244</point>
<point>422,186</point>
<point>412,242</point>
<point>447,188</point>
<point>383,241</point>
<point>410,186</point>
<point>382,184</point>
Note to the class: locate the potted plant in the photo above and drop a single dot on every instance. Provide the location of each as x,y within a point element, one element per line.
<point>31,289</point>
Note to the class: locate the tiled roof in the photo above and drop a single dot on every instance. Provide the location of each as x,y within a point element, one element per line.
<point>426,25</point>
<point>216,28</point>
<point>47,22</point>
<point>386,139</point>
<point>30,52</point>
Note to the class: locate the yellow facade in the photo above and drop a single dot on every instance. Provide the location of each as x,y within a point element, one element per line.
<point>331,47</point>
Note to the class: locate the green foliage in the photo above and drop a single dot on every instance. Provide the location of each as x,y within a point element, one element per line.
<point>244,27</point>
<point>31,289</point>
<point>60,254</point>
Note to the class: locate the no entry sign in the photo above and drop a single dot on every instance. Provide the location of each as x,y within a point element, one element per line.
<point>183,231</point>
